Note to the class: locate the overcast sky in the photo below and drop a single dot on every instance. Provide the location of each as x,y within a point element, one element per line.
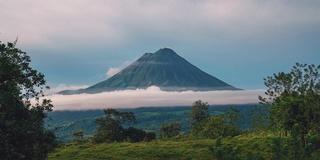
<point>82,42</point>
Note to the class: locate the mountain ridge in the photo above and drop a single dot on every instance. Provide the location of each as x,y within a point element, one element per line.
<point>164,69</point>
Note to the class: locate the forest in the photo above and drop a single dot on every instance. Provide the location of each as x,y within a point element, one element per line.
<point>148,118</point>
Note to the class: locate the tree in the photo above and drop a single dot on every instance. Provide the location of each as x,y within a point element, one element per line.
<point>110,126</point>
<point>221,126</point>
<point>198,116</point>
<point>169,130</point>
<point>78,136</point>
<point>233,117</point>
<point>22,131</point>
<point>293,99</point>
<point>150,135</point>
<point>258,118</point>
<point>224,151</point>
<point>134,135</point>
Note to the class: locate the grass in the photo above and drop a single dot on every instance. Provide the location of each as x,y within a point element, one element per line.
<point>152,150</point>
<point>246,145</point>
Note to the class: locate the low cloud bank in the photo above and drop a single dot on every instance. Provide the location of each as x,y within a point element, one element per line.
<point>62,87</point>
<point>149,97</point>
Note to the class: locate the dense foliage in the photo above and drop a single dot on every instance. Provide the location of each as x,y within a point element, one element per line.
<point>148,118</point>
<point>199,116</point>
<point>110,128</point>
<point>169,130</point>
<point>204,125</point>
<point>293,100</point>
<point>22,132</point>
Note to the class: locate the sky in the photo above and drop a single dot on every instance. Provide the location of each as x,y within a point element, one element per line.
<point>78,43</point>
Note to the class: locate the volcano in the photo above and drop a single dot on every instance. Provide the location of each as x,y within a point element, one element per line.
<point>164,69</point>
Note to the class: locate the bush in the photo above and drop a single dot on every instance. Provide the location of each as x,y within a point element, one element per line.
<point>134,134</point>
<point>217,127</point>
<point>169,130</point>
<point>149,136</point>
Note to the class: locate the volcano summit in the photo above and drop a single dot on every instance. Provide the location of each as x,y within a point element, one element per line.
<point>164,69</point>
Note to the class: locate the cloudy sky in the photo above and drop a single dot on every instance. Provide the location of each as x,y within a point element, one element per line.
<point>82,42</point>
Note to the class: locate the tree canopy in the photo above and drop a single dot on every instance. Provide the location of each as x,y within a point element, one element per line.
<point>169,130</point>
<point>22,131</point>
<point>293,99</point>
<point>110,128</point>
<point>198,116</point>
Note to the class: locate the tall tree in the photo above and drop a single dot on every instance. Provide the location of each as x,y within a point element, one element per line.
<point>110,126</point>
<point>198,116</point>
<point>22,131</point>
<point>78,136</point>
<point>293,99</point>
<point>223,125</point>
<point>169,130</point>
<point>258,118</point>
<point>233,117</point>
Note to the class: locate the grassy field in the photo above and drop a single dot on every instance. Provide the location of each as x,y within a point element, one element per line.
<point>247,146</point>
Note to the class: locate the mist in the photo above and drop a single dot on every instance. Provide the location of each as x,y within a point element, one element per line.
<point>151,97</point>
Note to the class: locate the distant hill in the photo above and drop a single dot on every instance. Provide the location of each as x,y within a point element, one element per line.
<point>148,118</point>
<point>165,69</point>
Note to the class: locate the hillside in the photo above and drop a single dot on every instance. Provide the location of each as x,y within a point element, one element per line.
<point>148,118</point>
<point>259,145</point>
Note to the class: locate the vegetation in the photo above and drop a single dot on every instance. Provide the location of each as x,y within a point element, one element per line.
<point>110,128</point>
<point>64,123</point>
<point>294,101</point>
<point>169,130</point>
<point>245,146</point>
<point>78,136</point>
<point>199,116</point>
<point>22,131</point>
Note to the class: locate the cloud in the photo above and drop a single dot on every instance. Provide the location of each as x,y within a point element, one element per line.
<point>123,22</point>
<point>114,70</point>
<point>152,96</point>
<point>62,87</point>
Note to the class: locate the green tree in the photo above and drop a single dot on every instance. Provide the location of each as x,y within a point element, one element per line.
<point>219,126</point>
<point>22,131</point>
<point>150,135</point>
<point>110,128</point>
<point>233,117</point>
<point>169,130</point>
<point>258,118</point>
<point>78,136</point>
<point>198,116</point>
<point>134,135</point>
<point>223,125</point>
<point>224,151</point>
<point>294,99</point>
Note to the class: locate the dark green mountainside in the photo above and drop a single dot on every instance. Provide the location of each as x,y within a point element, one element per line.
<point>165,69</point>
<point>64,123</point>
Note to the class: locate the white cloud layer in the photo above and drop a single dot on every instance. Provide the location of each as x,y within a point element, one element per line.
<point>62,87</point>
<point>152,96</point>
